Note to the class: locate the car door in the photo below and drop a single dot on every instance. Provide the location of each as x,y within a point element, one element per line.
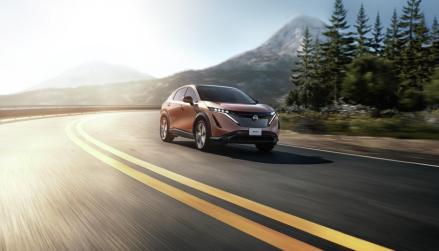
<point>175,112</point>
<point>188,111</point>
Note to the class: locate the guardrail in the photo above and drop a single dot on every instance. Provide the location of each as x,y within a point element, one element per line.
<point>14,113</point>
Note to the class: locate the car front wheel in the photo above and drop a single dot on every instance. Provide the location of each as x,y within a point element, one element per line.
<point>165,135</point>
<point>201,134</point>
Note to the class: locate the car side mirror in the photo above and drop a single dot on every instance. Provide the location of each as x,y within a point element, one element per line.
<point>188,99</point>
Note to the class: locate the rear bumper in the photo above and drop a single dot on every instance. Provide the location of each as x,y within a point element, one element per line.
<point>242,137</point>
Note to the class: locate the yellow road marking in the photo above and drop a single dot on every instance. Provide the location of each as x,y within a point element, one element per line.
<point>261,232</point>
<point>323,232</point>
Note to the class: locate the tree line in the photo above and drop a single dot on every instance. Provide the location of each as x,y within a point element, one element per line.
<point>396,68</point>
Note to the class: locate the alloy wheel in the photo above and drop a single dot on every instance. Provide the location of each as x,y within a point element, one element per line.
<point>163,128</point>
<point>200,135</point>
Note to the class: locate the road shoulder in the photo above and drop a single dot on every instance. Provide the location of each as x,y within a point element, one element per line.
<point>419,151</point>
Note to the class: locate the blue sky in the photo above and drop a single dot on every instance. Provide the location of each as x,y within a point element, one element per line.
<point>250,22</point>
<point>40,39</point>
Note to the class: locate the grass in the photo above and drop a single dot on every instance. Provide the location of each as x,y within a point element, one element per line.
<point>422,125</point>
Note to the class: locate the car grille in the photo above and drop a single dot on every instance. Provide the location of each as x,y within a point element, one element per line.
<point>244,138</point>
<point>245,119</point>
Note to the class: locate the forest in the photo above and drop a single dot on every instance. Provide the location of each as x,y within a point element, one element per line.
<point>395,67</point>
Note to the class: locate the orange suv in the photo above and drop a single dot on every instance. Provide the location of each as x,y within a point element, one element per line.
<point>213,113</point>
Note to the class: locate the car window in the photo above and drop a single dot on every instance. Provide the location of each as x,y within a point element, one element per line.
<point>171,97</point>
<point>179,95</point>
<point>224,94</point>
<point>190,92</point>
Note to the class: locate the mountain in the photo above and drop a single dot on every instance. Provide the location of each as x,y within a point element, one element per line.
<point>280,50</point>
<point>93,73</point>
<point>262,72</point>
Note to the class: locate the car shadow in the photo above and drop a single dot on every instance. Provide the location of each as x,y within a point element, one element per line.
<point>250,153</point>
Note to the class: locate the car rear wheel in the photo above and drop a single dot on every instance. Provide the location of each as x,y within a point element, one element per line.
<point>201,134</point>
<point>265,147</point>
<point>165,135</point>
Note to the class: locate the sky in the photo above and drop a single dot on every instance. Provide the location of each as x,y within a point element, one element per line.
<point>41,39</point>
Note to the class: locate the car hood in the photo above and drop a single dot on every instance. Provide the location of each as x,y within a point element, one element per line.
<point>240,107</point>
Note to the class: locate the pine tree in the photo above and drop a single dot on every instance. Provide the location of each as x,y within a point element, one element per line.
<point>410,20</point>
<point>435,42</point>
<point>362,29</point>
<point>338,47</point>
<point>377,36</point>
<point>423,57</point>
<point>392,41</point>
<point>415,39</point>
<point>415,64</point>
<point>319,64</point>
<point>320,88</point>
<point>301,76</point>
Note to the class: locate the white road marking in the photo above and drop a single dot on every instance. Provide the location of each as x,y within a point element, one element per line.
<point>358,155</point>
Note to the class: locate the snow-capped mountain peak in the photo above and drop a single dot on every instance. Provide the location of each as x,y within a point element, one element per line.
<point>279,49</point>
<point>288,39</point>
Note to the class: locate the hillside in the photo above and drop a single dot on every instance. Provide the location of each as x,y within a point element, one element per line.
<point>93,73</point>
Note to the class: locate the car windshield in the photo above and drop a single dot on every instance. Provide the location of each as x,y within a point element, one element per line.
<point>223,94</point>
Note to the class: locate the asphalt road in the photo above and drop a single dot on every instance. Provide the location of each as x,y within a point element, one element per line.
<point>107,182</point>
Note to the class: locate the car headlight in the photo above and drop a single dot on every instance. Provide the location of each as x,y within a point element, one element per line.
<point>225,112</point>
<point>218,110</point>
<point>274,115</point>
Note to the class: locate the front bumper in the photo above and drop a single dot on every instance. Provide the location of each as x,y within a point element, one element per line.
<point>243,137</point>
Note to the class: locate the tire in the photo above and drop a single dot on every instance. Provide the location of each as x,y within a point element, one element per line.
<point>165,134</point>
<point>265,147</point>
<point>201,135</point>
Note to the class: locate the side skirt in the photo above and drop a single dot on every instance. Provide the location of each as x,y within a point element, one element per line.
<point>181,133</point>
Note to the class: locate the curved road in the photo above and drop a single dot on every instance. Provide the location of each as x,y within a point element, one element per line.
<point>107,182</point>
